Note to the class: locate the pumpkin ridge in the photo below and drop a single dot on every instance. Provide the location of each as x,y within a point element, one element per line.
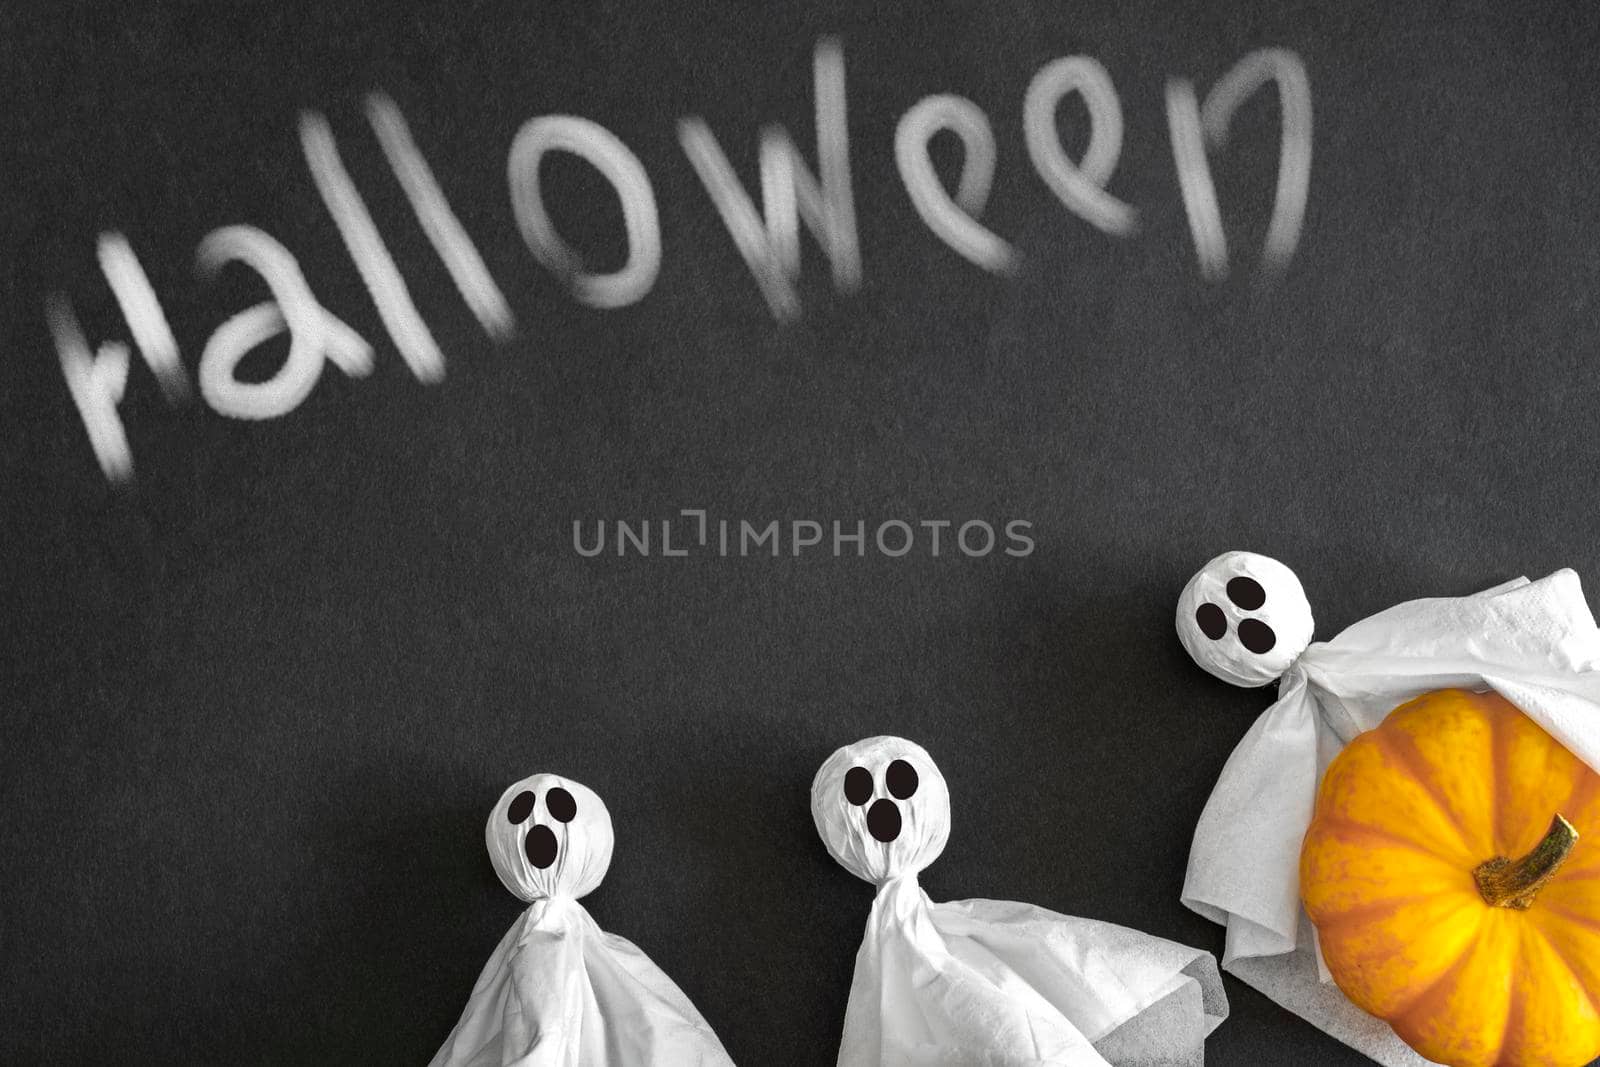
<point>1388,837</point>
<point>1500,738</point>
<point>1511,1038</point>
<point>1402,1016</point>
<point>1532,930</point>
<point>1588,871</point>
<point>1336,922</point>
<point>1333,928</point>
<point>1399,748</point>
<point>1583,793</point>
<point>1577,920</point>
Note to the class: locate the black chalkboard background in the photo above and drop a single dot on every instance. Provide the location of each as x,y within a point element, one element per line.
<point>258,704</point>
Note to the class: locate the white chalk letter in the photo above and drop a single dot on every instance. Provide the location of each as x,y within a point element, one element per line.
<point>601,148</point>
<point>315,335</point>
<point>444,230</point>
<point>373,262</point>
<point>790,193</point>
<point>1080,186</point>
<point>99,379</point>
<point>1195,129</point>
<point>96,381</point>
<point>955,221</point>
<point>146,321</point>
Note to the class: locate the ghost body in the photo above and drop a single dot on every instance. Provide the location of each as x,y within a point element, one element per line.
<point>559,991</point>
<point>1535,643</point>
<point>985,982</point>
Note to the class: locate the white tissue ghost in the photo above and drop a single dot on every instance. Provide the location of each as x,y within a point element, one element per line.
<point>558,991</point>
<point>982,981</point>
<point>1245,619</point>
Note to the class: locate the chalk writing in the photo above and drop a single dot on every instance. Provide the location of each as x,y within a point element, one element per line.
<point>1193,128</point>
<point>315,336</point>
<point>444,230</point>
<point>955,221</point>
<point>599,146</point>
<point>1082,186</point>
<point>767,237</point>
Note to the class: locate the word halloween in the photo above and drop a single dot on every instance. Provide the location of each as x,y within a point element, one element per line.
<point>768,239</point>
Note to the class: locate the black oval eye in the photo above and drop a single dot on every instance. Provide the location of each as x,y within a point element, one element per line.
<point>1213,623</point>
<point>520,808</point>
<point>1246,592</point>
<point>562,807</point>
<point>858,786</point>
<point>541,846</point>
<point>1257,636</point>
<point>901,778</point>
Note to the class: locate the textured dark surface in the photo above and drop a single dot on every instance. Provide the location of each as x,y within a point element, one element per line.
<point>258,706</point>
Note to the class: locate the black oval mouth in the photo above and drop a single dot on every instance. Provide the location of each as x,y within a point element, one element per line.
<point>883,820</point>
<point>1257,636</point>
<point>541,846</point>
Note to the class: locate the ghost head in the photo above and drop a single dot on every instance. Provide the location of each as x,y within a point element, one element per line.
<point>549,837</point>
<point>882,808</point>
<point>1244,618</point>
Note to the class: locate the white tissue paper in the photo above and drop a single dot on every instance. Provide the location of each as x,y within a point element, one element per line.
<point>559,991</point>
<point>987,982</point>
<point>1245,619</point>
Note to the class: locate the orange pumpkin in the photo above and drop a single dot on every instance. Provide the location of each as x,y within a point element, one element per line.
<point>1453,873</point>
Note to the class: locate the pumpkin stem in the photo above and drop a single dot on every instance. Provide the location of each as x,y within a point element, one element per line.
<point>1514,883</point>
